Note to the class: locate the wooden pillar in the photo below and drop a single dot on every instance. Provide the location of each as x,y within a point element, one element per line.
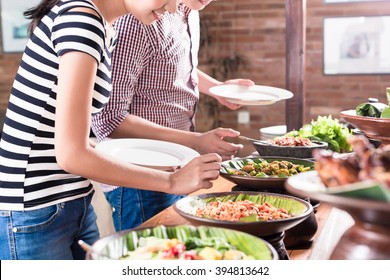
<point>295,62</point>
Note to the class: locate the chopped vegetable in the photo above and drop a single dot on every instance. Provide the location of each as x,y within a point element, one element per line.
<point>370,109</point>
<point>261,168</point>
<point>386,111</point>
<point>192,249</point>
<point>375,109</point>
<point>217,243</point>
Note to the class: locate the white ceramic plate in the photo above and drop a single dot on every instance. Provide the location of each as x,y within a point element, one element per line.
<point>310,182</point>
<point>254,95</point>
<point>150,153</point>
<point>274,131</point>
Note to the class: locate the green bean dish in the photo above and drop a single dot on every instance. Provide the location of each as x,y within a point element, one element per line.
<point>261,168</point>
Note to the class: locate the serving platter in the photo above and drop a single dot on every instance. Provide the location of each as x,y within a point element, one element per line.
<point>118,244</point>
<point>187,206</point>
<point>369,237</point>
<point>155,154</point>
<point>254,95</point>
<point>367,200</point>
<point>376,128</point>
<point>271,184</point>
<point>366,190</point>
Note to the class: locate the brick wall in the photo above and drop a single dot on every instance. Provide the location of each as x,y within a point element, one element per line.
<point>252,33</point>
<point>8,66</point>
<point>255,31</point>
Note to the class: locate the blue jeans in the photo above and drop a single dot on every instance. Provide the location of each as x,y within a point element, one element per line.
<point>132,207</point>
<point>50,233</point>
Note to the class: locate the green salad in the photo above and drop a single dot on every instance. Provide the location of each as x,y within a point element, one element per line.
<point>375,109</point>
<point>328,130</point>
<point>213,248</point>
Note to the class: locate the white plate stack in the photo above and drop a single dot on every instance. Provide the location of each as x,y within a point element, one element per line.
<point>271,132</point>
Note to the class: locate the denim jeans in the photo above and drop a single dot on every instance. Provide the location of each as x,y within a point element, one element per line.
<point>132,207</point>
<point>50,233</point>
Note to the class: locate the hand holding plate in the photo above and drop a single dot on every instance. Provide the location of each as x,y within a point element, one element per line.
<point>240,82</point>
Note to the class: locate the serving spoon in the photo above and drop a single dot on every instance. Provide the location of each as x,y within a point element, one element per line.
<point>248,138</point>
<point>89,249</point>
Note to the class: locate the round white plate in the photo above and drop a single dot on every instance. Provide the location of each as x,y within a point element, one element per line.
<point>310,182</point>
<point>150,153</point>
<point>254,95</point>
<point>273,131</point>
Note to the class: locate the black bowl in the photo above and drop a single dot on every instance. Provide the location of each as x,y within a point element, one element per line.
<point>186,207</point>
<point>264,148</point>
<point>270,184</point>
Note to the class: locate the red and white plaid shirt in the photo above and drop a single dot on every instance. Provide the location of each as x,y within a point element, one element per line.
<point>154,73</point>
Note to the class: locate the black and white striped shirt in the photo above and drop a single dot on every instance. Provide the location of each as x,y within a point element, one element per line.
<point>30,177</point>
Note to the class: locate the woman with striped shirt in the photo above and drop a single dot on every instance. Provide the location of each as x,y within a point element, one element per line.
<point>45,155</point>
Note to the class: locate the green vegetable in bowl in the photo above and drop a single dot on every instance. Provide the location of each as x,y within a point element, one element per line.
<point>375,109</point>
<point>386,112</point>
<point>261,168</point>
<point>328,130</point>
<point>215,242</point>
<point>370,109</point>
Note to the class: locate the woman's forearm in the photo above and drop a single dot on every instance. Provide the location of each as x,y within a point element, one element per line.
<point>206,82</point>
<point>137,127</point>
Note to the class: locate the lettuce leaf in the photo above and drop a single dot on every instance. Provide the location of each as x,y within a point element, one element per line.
<point>373,110</point>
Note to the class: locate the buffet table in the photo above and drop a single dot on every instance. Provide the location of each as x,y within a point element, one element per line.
<point>323,242</point>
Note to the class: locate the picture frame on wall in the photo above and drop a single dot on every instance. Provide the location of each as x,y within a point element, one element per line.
<point>14,25</point>
<point>350,1</point>
<point>356,45</point>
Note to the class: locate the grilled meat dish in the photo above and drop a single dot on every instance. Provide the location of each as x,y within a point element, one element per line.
<point>335,171</point>
<point>366,163</point>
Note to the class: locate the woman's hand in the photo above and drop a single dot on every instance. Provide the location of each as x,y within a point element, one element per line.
<point>196,174</point>
<point>213,142</point>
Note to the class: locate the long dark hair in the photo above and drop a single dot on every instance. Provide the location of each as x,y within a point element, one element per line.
<point>38,12</point>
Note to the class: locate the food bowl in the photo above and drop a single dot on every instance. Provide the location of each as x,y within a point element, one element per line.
<point>264,148</point>
<point>269,184</point>
<point>121,243</point>
<point>300,210</point>
<point>376,128</point>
